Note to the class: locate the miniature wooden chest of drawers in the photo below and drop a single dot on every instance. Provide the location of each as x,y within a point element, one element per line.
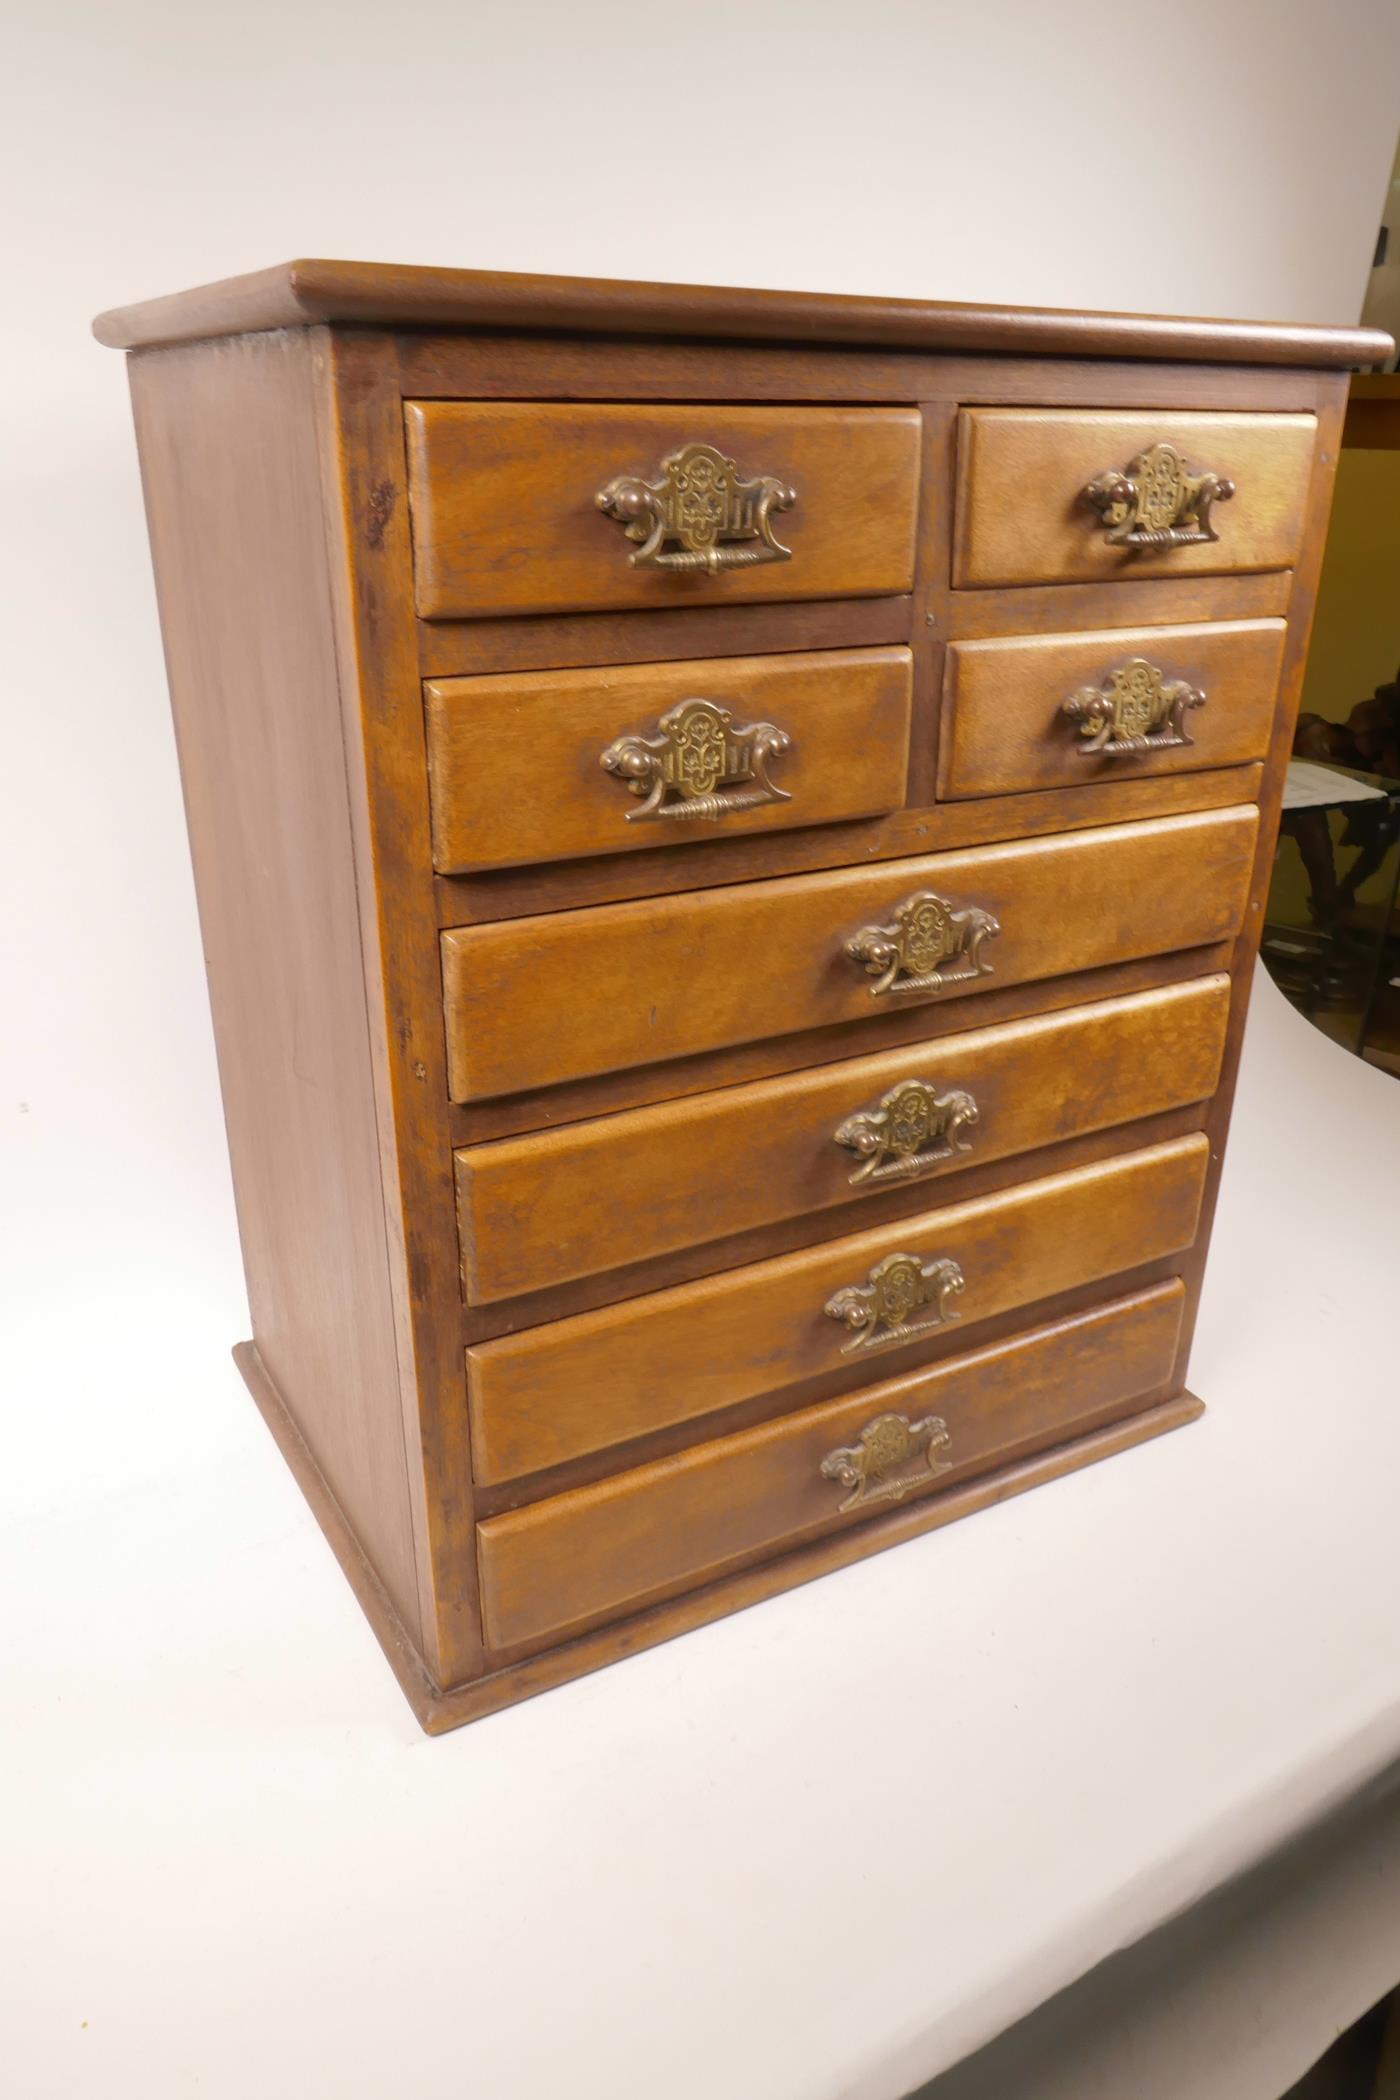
<point>730,832</point>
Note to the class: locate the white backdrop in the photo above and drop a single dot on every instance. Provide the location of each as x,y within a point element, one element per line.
<point>1227,156</point>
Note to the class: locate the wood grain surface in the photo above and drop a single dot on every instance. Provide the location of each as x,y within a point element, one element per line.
<point>577,1385</point>
<point>625,1066</point>
<point>668,977</point>
<point>575,1558</point>
<point>516,893</point>
<point>290,295</point>
<point>541,1210</point>
<point>505,516</point>
<point>1005,732</point>
<point>515,761</point>
<point>229,451</point>
<point>1021,473</point>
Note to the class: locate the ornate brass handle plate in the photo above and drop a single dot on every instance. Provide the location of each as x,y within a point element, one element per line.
<point>698,764</point>
<point>891,1456</point>
<point>928,944</point>
<point>901,1286</point>
<point>699,513</point>
<point>1157,501</point>
<point>1137,708</point>
<point>913,1128</point>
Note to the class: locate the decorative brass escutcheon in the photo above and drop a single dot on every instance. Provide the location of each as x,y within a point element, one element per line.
<point>1157,501</point>
<point>901,1285</point>
<point>698,764</point>
<point>699,513</point>
<point>913,1128</point>
<point>1137,708</point>
<point>928,944</point>
<point>891,1456</point>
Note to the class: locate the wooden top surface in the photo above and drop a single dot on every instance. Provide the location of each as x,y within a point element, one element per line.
<point>300,294</point>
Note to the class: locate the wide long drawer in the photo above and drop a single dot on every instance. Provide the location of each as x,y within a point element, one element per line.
<point>552,765</point>
<point>1069,495</point>
<point>596,1195</point>
<point>615,1545</point>
<point>582,1384</point>
<point>542,507</point>
<point>1060,710</point>
<point>536,1001</point>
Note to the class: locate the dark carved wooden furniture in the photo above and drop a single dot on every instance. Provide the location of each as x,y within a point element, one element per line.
<point>731,831</point>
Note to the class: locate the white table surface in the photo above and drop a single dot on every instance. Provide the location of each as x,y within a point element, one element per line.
<point>822,1849</point>
<point>1308,785</point>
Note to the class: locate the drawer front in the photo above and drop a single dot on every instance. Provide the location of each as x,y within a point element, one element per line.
<point>1082,496</point>
<point>546,507</point>
<point>553,765</point>
<point>560,1204</point>
<point>1060,710</point>
<point>607,1548</point>
<point>582,1384</point>
<point>666,977</point>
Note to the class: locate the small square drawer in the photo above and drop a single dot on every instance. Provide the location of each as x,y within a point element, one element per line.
<point>614,1546</point>
<point>555,765</point>
<point>534,1002</point>
<point>1056,495</point>
<point>595,1379</point>
<point>546,507</point>
<point>1060,710</point>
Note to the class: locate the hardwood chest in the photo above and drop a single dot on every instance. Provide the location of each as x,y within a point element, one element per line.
<point>731,831</point>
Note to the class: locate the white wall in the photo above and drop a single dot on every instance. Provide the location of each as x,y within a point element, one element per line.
<point>1225,156</point>
<point>1382,304</point>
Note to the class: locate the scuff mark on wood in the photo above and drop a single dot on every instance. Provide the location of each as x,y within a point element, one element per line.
<point>382,498</point>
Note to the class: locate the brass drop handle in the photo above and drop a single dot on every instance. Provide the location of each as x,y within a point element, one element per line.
<point>884,1308</point>
<point>1137,708</point>
<point>891,1456</point>
<point>698,764</point>
<point>912,1129</point>
<point>929,943</point>
<point>1157,500</point>
<point>699,514</point>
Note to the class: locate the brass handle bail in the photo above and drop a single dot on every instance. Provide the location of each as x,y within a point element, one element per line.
<point>698,764</point>
<point>1137,708</point>
<point>699,514</point>
<point>883,1309</point>
<point>891,1456</point>
<point>913,1128</point>
<point>1157,501</point>
<point>928,944</point>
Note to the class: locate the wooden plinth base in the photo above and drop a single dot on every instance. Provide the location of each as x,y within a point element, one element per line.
<point>438,1710</point>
